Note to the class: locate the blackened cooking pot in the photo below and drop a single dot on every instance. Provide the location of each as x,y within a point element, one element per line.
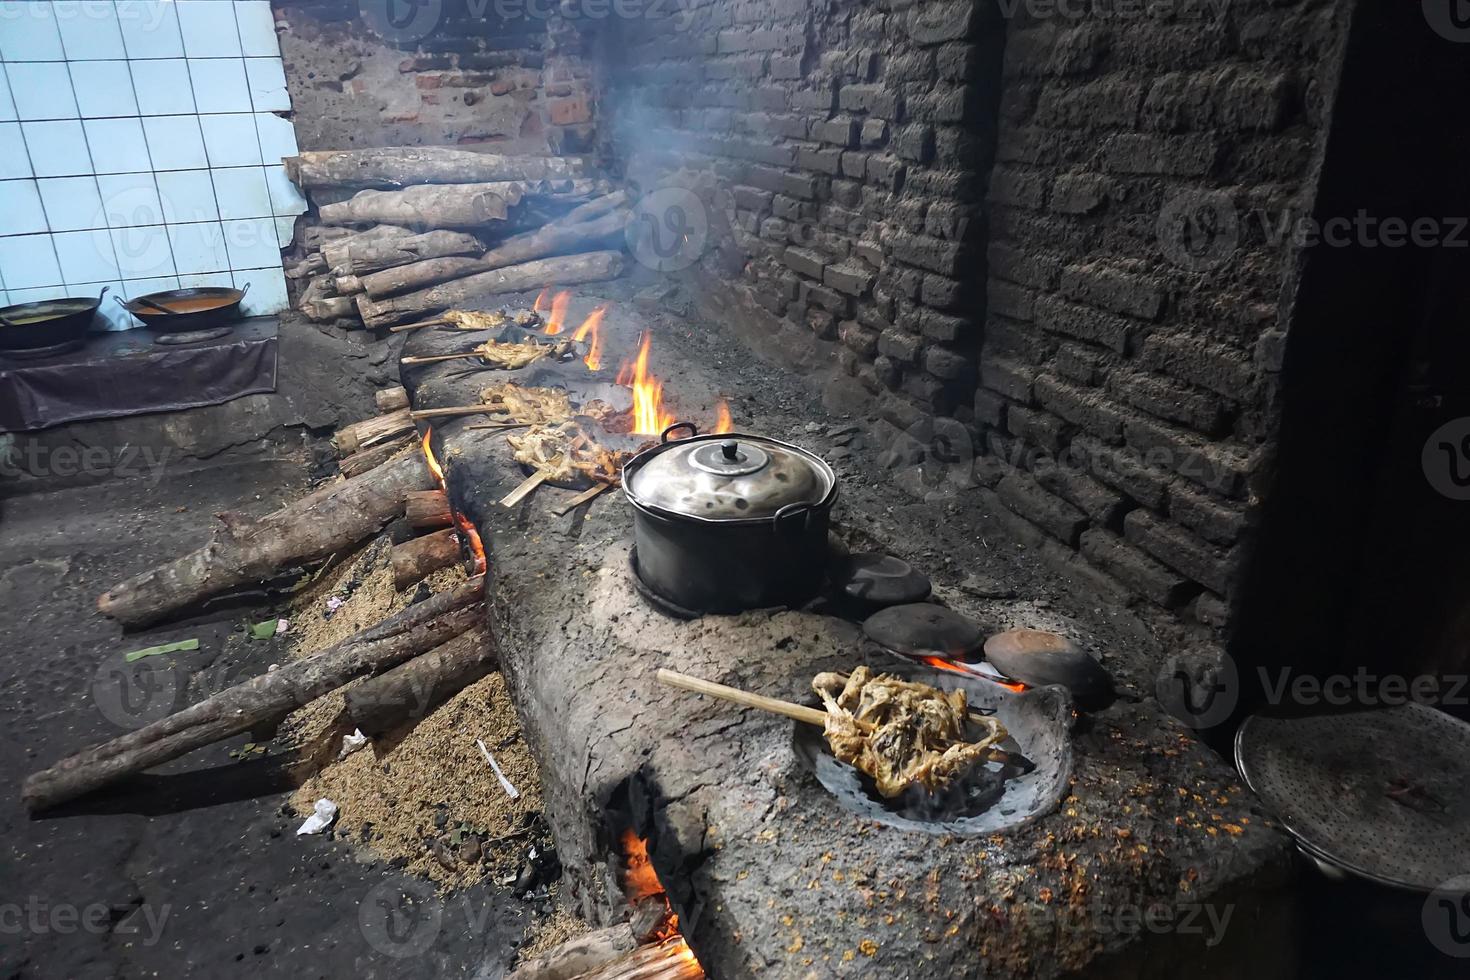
<point>49,323</point>
<point>181,310</point>
<point>729,522</point>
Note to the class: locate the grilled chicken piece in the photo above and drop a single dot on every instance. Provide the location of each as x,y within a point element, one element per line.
<point>901,733</point>
<point>475,319</point>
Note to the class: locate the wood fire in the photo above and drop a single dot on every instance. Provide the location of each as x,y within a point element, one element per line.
<point>641,884</point>
<point>649,417</point>
<point>591,332</point>
<point>556,319</point>
<point>469,535</point>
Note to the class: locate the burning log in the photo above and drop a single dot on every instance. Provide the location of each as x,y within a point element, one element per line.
<point>363,460</point>
<point>367,257</point>
<point>360,435</point>
<point>429,206</point>
<point>391,399</point>
<point>427,509</point>
<point>671,959</point>
<point>565,270</point>
<point>552,239</point>
<point>261,700</point>
<point>333,518</point>
<point>416,559</point>
<point>577,956</point>
<point>418,686</point>
<point>402,166</point>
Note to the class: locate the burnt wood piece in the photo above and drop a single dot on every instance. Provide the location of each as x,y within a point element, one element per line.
<point>416,687</point>
<point>578,955</point>
<point>566,270</point>
<point>668,960</point>
<point>391,399</point>
<point>417,558</point>
<point>244,551</point>
<point>429,206</point>
<point>360,435</point>
<point>402,166</point>
<point>376,256</point>
<point>365,459</point>
<point>328,309</point>
<point>262,699</point>
<point>552,239</point>
<point>427,509</point>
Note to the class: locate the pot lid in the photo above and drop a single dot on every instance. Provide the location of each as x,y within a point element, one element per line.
<point>728,477</point>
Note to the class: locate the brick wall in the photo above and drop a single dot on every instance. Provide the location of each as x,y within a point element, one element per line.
<point>1137,308</point>
<point>850,143</point>
<point>468,77</point>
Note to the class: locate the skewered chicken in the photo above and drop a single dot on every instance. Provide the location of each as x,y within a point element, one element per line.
<point>528,404</point>
<point>900,733</point>
<point>475,319</point>
<point>511,357</point>
<point>564,453</point>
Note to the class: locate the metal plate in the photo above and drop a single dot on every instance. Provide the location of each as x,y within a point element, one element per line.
<point>1381,792</point>
<point>993,799</point>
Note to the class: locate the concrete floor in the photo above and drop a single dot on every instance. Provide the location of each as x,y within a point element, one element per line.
<point>195,871</point>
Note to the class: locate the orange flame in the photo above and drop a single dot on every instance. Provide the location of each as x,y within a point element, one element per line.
<point>590,330</point>
<point>649,417</point>
<point>430,459</point>
<point>558,315</point>
<point>943,664</point>
<point>723,422</point>
<point>640,882</point>
<point>541,298</point>
<point>469,535</point>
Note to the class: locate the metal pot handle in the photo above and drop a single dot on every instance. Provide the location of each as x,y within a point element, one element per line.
<point>693,430</point>
<point>120,302</point>
<point>245,290</point>
<point>781,520</point>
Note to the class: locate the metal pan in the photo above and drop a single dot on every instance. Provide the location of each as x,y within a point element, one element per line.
<point>178,310</point>
<point>49,323</point>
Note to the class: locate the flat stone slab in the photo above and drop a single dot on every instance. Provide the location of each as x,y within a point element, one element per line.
<point>771,877</point>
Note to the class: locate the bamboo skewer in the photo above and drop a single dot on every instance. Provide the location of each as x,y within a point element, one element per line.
<point>797,712</point>
<point>436,322</point>
<point>524,490</point>
<point>435,358</point>
<point>580,499</point>
<point>457,410</point>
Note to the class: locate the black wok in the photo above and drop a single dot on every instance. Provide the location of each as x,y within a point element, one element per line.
<point>179,310</point>
<point>49,323</point>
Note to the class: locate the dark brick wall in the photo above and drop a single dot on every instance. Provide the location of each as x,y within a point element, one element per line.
<point>850,142</point>
<point>521,81</point>
<point>1127,393</point>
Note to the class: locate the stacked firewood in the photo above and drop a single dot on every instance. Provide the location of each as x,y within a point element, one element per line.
<point>407,232</point>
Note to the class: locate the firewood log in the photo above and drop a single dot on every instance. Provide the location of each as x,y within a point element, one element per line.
<point>429,206</point>
<point>578,955</point>
<point>333,518</point>
<point>669,960</point>
<point>391,399</point>
<point>376,256</point>
<point>418,558</point>
<point>427,509</point>
<point>336,251</point>
<point>264,698</point>
<point>416,687</point>
<point>360,435</point>
<point>566,270</point>
<point>392,167</point>
<point>309,266</point>
<point>553,239</point>
<point>376,455</point>
<point>329,309</point>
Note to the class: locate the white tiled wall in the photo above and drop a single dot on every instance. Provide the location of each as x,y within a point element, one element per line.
<point>139,149</point>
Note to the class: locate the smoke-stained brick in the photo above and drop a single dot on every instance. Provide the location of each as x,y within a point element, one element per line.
<point>1182,551</point>
<point>1025,497</point>
<point>1010,378</point>
<point>1083,407</point>
<point>1149,577</point>
<point>1059,316</point>
<point>1183,156</point>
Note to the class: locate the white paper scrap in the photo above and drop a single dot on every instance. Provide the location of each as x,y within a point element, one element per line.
<point>325,812</point>
<point>351,743</point>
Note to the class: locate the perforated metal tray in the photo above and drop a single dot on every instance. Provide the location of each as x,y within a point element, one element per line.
<point>1383,793</point>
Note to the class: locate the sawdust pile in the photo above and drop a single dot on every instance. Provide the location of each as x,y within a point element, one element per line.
<point>422,798</point>
<point>551,931</point>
